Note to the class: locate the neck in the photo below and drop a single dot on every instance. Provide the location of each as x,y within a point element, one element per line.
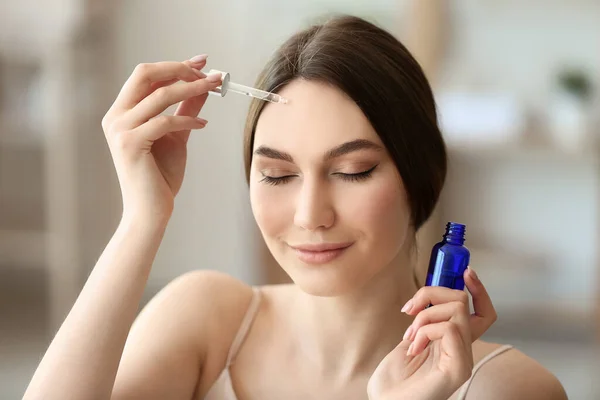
<point>349,335</point>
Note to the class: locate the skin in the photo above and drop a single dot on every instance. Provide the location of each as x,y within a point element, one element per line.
<point>339,327</point>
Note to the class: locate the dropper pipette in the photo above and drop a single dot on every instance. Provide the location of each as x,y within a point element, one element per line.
<point>228,86</point>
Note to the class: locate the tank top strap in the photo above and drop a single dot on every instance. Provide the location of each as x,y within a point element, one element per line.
<point>245,325</point>
<point>465,387</point>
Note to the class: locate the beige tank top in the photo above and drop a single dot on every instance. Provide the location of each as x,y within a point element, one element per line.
<point>222,389</point>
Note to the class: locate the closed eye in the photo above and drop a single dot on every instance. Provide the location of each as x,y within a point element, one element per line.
<point>274,181</point>
<point>357,177</point>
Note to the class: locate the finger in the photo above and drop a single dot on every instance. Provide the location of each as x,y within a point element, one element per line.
<point>484,313</point>
<point>163,124</point>
<point>165,97</point>
<point>190,107</point>
<point>449,332</point>
<point>452,347</point>
<point>433,295</point>
<point>196,61</point>
<point>139,84</point>
<point>196,66</point>
<point>455,311</point>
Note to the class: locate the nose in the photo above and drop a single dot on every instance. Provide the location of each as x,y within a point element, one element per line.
<point>313,207</point>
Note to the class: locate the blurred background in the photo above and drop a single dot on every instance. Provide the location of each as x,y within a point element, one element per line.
<point>517,84</point>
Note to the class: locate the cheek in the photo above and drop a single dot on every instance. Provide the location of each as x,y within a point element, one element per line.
<point>380,212</point>
<point>270,209</point>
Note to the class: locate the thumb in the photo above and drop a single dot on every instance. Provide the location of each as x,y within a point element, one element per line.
<point>399,352</point>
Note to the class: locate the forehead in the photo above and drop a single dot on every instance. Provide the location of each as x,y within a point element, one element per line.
<point>316,118</point>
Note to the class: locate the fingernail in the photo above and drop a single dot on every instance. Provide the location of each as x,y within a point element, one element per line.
<point>199,73</point>
<point>214,77</point>
<point>473,274</point>
<point>409,352</point>
<point>198,59</point>
<point>407,333</point>
<point>202,120</point>
<point>407,306</point>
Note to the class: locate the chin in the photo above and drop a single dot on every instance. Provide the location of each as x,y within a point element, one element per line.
<point>326,280</point>
<point>323,288</point>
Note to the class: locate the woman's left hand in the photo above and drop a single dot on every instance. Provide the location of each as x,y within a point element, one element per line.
<point>435,356</point>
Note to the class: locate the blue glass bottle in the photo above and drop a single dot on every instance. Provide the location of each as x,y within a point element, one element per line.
<point>449,259</point>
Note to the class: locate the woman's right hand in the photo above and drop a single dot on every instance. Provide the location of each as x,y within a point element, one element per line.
<point>149,149</point>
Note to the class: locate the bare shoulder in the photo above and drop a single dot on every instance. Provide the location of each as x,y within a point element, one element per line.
<point>199,294</point>
<point>168,346</point>
<point>185,311</point>
<point>218,304</point>
<point>214,300</point>
<point>213,288</point>
<point>513,375</point>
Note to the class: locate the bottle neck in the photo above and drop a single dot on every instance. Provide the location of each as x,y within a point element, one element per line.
<point>455,234</point>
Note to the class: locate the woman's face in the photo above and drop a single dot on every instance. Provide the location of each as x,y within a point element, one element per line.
<point>325,193</point>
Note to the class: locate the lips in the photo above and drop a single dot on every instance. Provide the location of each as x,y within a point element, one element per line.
<point>320,253</point>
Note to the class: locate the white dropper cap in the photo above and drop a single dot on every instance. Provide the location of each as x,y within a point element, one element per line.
<point>228,86</point>
<point>220,90</point>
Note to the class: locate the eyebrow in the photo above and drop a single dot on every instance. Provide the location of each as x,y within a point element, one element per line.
<point>343,149</point>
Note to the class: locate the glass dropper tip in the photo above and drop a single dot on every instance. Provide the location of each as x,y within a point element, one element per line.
<point>275,98</point>
<point>256,93</point>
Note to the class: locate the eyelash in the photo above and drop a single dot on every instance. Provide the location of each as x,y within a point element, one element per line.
<point>358,177</point>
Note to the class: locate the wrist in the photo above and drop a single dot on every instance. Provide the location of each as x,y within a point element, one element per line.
<point>144,221</point>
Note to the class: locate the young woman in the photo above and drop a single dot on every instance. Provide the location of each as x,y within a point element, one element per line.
<point>340,179</point>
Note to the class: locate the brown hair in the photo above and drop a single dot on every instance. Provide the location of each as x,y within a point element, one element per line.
<point>376,71</point>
